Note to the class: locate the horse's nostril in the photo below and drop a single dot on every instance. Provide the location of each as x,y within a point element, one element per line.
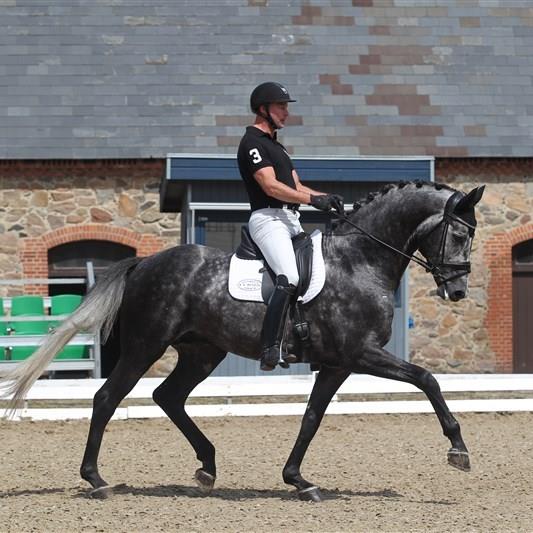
<point>458,295</point>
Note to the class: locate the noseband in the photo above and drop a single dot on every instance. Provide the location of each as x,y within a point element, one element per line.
<point>435,269</point>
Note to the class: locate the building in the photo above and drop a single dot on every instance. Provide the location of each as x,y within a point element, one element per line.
<point>95,96</point>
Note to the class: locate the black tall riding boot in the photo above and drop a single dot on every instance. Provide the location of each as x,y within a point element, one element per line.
<point>274,323</point>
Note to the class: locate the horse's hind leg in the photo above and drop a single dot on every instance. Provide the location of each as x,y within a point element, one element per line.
<point>195,363</point>
<point>123,378</point>
<point>379,362</point>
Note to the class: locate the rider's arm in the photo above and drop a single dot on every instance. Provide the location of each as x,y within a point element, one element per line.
<point>266,177</point>
<point>301,187</point>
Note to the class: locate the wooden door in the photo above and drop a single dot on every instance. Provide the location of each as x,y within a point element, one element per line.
<point>523,307</point>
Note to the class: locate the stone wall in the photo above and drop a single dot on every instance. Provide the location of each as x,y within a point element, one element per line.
<point>46,204</point>
<point>475,334</point>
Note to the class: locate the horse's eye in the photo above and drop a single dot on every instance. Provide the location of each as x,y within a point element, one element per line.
<point>458,239</point>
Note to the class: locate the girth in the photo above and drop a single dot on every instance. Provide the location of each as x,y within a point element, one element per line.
<point>303,251</point>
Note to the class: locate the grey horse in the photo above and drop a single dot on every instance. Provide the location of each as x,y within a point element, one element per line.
<point>179,297</point>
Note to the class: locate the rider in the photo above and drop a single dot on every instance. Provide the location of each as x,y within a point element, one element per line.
<point>275,192</point>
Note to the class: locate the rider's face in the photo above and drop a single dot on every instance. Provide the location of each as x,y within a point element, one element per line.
<point>279,111</point>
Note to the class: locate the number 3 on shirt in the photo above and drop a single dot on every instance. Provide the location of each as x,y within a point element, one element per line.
<point>256,157</point>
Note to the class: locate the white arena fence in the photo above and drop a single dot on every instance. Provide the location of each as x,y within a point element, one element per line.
<point>225,389</point>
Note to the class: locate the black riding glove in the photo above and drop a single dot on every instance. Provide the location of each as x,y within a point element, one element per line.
<point>338,203</point>
<point>326,202</point>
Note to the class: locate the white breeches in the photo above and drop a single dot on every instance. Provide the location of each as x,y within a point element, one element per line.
<point>272,230</point>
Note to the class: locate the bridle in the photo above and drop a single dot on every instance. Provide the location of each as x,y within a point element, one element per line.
<point>435,269</point>
<point>461,269</point>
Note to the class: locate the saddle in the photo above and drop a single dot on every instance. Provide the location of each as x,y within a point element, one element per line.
<point>303,251</point>
<point>251,279</point>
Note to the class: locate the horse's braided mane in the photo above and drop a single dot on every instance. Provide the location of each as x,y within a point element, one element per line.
<point>400,185</point>
<point>340,225</point>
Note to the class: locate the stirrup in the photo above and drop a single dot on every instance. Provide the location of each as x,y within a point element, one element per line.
<point>289,359</point>
<point>273,356</point>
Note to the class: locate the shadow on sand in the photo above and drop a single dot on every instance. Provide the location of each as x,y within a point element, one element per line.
<point>30,492</point>
<point>230,494</point>
<point>227,494</point>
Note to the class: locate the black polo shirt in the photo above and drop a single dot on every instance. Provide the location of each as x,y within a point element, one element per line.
<point>257,150</point>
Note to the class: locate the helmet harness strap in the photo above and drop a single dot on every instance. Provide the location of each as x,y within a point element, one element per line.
<point>268,117</point>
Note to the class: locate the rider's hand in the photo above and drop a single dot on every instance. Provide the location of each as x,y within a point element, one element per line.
<point>326,202</point>
<point>338,203</point>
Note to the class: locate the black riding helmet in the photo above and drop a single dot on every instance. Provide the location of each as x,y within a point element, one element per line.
<point>267,93</point>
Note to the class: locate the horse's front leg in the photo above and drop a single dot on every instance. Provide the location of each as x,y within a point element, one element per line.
<point>326,385</point>
<point>378,362</point>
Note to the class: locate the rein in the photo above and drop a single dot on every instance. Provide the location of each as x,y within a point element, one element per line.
<point>433,269</point>
<point>425,264</point>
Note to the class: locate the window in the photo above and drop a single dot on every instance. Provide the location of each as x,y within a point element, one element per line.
<point>523,253</point>
<point>70,261</point>
<point>222,228</point>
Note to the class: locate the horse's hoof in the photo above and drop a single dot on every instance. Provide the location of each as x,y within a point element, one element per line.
<point>205,481</point>
<point>459,460</point>
<point>101,493</point>
<point>310,494</point>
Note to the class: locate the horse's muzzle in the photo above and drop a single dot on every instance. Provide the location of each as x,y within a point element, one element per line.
<point>453,294</point>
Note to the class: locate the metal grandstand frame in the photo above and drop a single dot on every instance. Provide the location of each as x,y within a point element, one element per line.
<point>92,364</point>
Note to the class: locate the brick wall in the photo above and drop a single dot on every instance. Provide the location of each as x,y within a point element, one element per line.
<point>34,251</point>
<point>48,203</point>
<point>499,318</point>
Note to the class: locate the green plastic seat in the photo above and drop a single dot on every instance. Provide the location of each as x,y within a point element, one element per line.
<point>26,328</point>
<point>27,305</point>
<point>64,304</point>
<point>29,327</point>
<point>73,352</point>
<point>70,352</point>
<point>3,330</point>
<point>3,325</point>
<point>17,353</point>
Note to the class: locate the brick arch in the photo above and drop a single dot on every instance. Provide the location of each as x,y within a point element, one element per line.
<point>34,253</point>
<point>499,317</point>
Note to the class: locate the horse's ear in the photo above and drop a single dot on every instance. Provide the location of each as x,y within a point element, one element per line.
<point>467,202</point>
<point>479,194</point>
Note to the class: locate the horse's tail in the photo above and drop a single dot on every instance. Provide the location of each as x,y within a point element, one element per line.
<point>97,312</point>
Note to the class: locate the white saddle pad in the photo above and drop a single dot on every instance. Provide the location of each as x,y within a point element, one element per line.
<point>245,275</point>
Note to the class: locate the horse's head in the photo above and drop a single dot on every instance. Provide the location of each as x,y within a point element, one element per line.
<point>448,244</point>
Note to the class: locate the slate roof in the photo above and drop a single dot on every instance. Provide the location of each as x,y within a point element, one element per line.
<point>120,79</point>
